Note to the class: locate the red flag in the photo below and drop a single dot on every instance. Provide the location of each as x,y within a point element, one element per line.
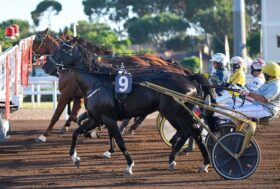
<point>24,66</point>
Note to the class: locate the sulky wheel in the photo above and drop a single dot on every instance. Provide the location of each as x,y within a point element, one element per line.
<point>223,129</point>
<point>159,120</point>
<point>231,168</point>
<point>167,131</point>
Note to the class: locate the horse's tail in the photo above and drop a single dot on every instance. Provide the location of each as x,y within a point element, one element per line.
<point>207,90</point>
<point>204,84</point>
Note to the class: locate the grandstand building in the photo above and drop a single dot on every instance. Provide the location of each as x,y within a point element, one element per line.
<point>271,30</point>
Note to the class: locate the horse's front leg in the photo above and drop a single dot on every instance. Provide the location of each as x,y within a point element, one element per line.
<point>63,100</point>
<point>83,129</point>
<point>115,132</point>
<point>77,104</point>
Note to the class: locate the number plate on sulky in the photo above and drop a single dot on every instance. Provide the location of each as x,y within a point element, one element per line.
<point>123,83</point>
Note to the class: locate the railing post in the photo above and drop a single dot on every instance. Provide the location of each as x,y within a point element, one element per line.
<point>54,95</point>
<point>38,95</point>
<point>32,96</point>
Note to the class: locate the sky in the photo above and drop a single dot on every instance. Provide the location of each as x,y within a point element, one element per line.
<point>72,11</point>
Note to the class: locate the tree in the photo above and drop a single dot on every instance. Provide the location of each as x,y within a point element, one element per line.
<point>48,6</point>
<point>184,43</point>
<point>216,20</point>
<point>103,35</point>
<point>191,62</point>
<point>156,29</point>
<point>253,44</point>
<point>212,17</point>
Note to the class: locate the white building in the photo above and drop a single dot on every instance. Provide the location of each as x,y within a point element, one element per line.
<point>271,30</point>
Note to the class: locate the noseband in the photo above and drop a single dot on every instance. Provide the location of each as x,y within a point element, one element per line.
<point>39,38</point>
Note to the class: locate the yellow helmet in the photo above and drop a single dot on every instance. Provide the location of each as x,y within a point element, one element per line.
<point>271,69</point>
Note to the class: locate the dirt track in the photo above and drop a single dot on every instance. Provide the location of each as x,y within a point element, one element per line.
<point>26,164</point>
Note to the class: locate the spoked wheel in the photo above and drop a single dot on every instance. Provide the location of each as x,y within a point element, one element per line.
<point>231,168</point>
<point>159,120</point>
<point>223,130</point>
<point>167,131</point>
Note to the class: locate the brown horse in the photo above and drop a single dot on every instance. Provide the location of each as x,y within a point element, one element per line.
<point>45,44</point>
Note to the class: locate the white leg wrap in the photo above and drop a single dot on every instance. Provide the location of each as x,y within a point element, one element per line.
<point>203,169</point>
<point>41,138</point>
<point>93,134</point>
<point>172,165</point>
<point>107,154</point>
<point>128,170</point>
<point>75,158</point>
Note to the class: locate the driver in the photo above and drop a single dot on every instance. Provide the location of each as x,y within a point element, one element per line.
<point>266,100</point>
<point>238,76</point>
<point>220,76</point>
<point>258,79</point>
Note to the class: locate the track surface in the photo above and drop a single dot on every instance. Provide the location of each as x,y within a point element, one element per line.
<point>27,164</point>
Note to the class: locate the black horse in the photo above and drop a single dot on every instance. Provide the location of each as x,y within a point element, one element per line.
<point>96,81</point>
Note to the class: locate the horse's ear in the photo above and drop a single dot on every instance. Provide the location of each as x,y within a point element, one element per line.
<point>46,30</point>
<point>65,31</point>
<point>75,39</point>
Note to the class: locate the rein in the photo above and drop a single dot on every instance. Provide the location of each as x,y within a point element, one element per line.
<point>142,74</point>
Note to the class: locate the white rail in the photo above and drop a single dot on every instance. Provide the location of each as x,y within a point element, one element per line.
<point>42,86</point>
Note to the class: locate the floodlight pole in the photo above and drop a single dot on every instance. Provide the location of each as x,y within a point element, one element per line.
<point>239,28</point>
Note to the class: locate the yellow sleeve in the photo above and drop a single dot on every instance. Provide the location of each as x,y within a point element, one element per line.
<point>238,78</point>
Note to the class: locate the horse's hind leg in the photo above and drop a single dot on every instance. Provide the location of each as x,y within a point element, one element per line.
<point>124,124</point>
<point>115,132</point>
<point>184,134</point>
<point>137,123</point>
<point>77,104</point>
<point>83,129</point>
<point>206,160</point>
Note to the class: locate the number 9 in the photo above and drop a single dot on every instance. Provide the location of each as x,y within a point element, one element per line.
<point>123,83</point>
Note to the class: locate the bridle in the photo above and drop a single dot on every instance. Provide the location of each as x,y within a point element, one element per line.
<point>41,38</point>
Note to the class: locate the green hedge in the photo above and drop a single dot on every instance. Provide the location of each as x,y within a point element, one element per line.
<point>192,62</point>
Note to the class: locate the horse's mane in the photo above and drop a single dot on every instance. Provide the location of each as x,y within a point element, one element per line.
<point>97,49</point>
<point>90,51</point>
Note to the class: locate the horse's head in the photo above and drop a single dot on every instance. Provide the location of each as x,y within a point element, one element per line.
<point>38,44</point>
<point>45,43</point>
<point>67,55</point>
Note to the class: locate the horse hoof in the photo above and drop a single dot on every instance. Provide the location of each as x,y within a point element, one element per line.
<point>77,163</point>
<point>172,166</point>
<point>76,159</point>
<point>93,134</point>
<point>107,154</point>
<point>41,138</point>
<point>64,129</point>
<point>131,132</point>
<point>203,169</point>
<point>128,170</point>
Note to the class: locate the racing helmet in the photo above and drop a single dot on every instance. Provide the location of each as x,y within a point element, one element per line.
<point>220,58</point>
<point>257,65</point>
<point>271,69</point>
<point>237,62</point>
